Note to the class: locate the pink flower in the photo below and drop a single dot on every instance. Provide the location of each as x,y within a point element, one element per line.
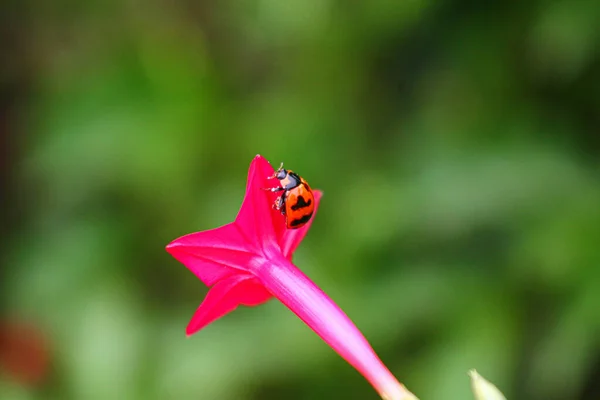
<point>249,260</point>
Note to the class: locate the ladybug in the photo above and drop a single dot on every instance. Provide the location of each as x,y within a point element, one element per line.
<point>297,202</point>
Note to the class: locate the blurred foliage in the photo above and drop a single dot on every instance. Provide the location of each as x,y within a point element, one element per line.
<point>456,142</point>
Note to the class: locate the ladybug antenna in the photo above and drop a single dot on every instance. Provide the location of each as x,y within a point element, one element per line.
<point>276,171</point>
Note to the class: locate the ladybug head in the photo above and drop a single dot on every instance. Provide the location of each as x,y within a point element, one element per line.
<point>280,173</point>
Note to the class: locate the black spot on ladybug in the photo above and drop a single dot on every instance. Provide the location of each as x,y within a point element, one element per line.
<point>300,221</point>
<point>301,203</point>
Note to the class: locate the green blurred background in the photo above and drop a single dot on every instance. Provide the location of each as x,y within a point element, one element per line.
<point>457,143</point>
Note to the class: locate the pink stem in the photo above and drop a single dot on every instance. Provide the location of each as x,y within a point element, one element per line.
<point>294,289</point>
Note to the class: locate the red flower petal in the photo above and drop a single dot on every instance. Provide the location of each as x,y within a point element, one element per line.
<point>214,254</point>
<point>291,238</point>
<point>257,219</point>
<point>225,297</point>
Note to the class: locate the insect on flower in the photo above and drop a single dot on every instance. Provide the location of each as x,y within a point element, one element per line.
<point>297,202</point>
<point>248,261</point>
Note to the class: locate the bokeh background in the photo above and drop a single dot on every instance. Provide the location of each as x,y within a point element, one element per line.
<point>457,144</point>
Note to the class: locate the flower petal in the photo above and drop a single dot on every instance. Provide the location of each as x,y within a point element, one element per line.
<point>256,217</point>
<point>254,293</point>
<point>291,238</point>
<point>214,254</point>
<point>225,297</point>
<point>483,389</point>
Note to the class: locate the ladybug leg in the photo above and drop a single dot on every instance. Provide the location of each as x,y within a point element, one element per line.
<point>279,204</point>
<point>275,189</point>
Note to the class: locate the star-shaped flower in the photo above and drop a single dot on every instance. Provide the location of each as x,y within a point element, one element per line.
<point>249,260</point>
